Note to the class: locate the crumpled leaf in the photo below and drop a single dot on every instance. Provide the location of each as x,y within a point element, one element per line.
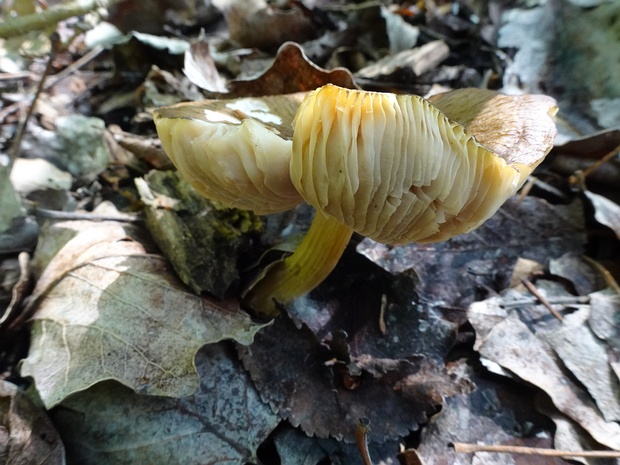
<point>105,309</point>
<point>255,23</point>
<point>417,61</point>
<point>586,357</point>
<point>223,423</point>
<point>291,72</point>
<point>333,353</point>
<point>512,345</point>
<point>26,433</point>
<point>582,273</point>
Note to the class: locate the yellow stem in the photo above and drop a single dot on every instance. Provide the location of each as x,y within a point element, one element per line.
<point>306,268</point>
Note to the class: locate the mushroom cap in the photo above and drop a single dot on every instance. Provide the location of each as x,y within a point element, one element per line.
<point>232,151</point>
<point>395,168</point>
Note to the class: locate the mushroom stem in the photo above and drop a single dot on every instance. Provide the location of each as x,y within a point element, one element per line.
<point>306,268</point>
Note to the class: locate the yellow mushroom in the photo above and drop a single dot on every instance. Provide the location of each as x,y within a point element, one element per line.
<point>394,168</point>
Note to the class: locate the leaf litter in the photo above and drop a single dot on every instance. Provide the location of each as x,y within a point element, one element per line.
<point>413,293</point>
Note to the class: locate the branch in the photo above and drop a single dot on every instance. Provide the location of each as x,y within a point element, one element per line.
<point>469,448</point>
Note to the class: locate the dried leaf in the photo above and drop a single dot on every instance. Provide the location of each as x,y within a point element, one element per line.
<point>291,72</point>
<point>26,433</point>
<point>586,357</point>
<point>417,61</point>
<point>257,24</point>
<point>223,423</point>
<point>297,448</point>
<point>106,310</point>
<point>582,273</point>
<point>512,345</point>
<point>450,272</point>
<point>339,359</point>
<point>200,68</point>
<point>605,211</point>
<point>492,414</point>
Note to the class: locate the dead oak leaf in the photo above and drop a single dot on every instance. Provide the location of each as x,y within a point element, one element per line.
<point>108,310</point>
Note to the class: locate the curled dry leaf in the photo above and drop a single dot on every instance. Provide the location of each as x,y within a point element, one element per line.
<point>200,68</point>
<point>105,309</point>
<point>223,423</point>
<point>26,433</point>
<point>605,211</point>
<point>291,72</point>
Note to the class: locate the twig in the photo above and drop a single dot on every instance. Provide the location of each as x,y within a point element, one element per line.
<point>13,27</point>
<point>575,179</point>
<point>530,287</point>
<point>91,55</point>
<point>572,300</point>
<point>361,439</point>
<point>60,215</point>
<point>465,448</point>
<point>19,134</point>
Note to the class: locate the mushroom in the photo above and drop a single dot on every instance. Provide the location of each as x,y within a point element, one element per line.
<point>394,168</point>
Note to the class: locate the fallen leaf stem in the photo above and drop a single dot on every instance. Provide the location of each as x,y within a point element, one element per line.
<point>306,268</point>
<point>465,448</point>
<point>541,298</point>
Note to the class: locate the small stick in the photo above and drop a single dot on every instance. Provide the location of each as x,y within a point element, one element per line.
<point>465,448</point>
<point>572,300</point>
<point>361,439</point>
<point>530,287</point>
<point>574,179</point>
<point>62,215</point>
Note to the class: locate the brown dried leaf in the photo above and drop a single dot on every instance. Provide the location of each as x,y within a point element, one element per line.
<point>291,72</point>
<point>26,433</point>
<point>299,377</point>
<point>254,23</point>
<point>104,309</point>
<point>338,358</point>
<point>223,423</point>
